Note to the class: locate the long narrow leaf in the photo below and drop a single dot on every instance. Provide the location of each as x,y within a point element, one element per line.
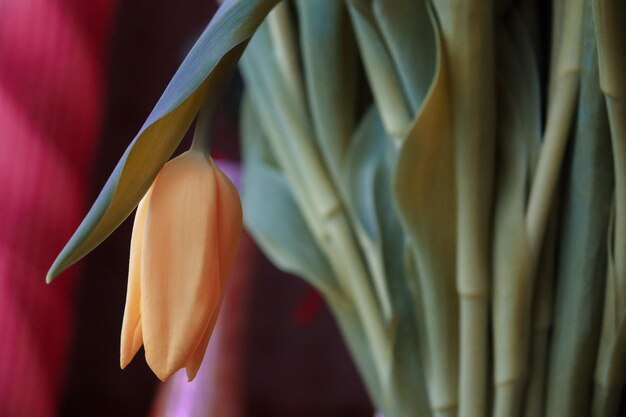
<point>206,69</point>
<point>331,74</point>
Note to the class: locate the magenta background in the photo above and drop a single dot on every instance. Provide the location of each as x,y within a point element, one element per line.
<point>51,87</point>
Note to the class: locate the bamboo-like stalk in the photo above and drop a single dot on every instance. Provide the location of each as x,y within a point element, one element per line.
<point>345,249</point>
<point>379,67</point>
<point>287,56</point>
<point>611,362</point>
<point>519,132</point>
<point>202,134</point>
<point>581,270</point>
<point>609,16</point>
<point>291,139</point>
<point>512,355</point>
<point>542,323</point>
<point>408,34</point>
<point>468,28</point>
<point>328,62</point>
<point>511,285</point>
<point>564,84</point>
<point>311,264</point>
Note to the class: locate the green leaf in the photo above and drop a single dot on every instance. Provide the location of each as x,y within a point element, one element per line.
<point>370,162</point>
<point>205,71</point>
<point>410,39</point>
<point>330,63</point>
<point>284,117</point>
<point>425,191</point>
<point>518,134</point>
<point>365,159</point>
<point>367,181</point>
<point>271,212</point>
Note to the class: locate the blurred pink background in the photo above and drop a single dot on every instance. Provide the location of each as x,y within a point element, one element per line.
<point>77,79</point>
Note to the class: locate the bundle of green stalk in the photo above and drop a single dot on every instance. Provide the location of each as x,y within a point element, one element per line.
<point>450,175</point>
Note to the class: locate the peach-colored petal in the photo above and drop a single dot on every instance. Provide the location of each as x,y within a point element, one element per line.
<point>180,263</point>
<point>195,359</point>
<point>131,339</point>
<point>229,224</point>
<point>229,220</point>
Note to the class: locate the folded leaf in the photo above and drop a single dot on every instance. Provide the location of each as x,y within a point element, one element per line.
<point>424,188</point>
<point>367,181</point>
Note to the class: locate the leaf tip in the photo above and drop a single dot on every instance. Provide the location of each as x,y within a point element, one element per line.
<point>55,270</point>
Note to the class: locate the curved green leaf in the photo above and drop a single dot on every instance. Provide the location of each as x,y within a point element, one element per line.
<point>425,191</point>
<point>365,157</point>
<point>329,57</point>
<point>363,171</point>
<point>205,71</point>
<point>408,33</point>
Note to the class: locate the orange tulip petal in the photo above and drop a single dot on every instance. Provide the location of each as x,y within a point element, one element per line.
<point>229,223</point>
<point>131,339</point>
<point>195,359</point>
<point>229,219</point>
<point>180,262</point>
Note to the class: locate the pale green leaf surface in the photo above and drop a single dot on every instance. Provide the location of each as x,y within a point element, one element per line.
<point>269,92</point>
<point>365,158</point>
<point>272,214</point>
<point>367,176</point>
<point>364,165</point>
<point>259,72</point>
<point>292,140</point>
<point>206,69</point>
<point>392,235</point>
<point>408,34</point>
<point>370,159</point>
<point>329,59</point>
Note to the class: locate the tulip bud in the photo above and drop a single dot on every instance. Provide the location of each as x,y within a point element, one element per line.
<point>184,242</point>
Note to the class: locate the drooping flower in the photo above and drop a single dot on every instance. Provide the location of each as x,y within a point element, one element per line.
<point>184,242</point>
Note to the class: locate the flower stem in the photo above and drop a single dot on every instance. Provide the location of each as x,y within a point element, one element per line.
<point>202,137</point>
